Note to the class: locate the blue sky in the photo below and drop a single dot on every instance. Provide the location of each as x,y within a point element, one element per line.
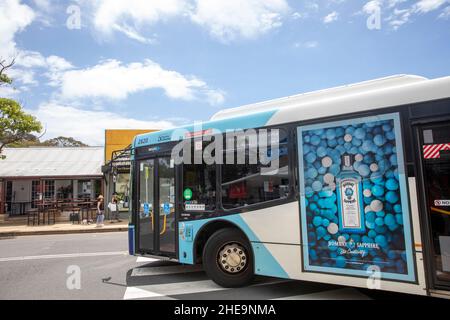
<point>83,66</point>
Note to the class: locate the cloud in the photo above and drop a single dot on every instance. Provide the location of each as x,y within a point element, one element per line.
<point>14,18</point>
<point>399,18</point>
<point>89,126</point>
<point>372,6</point>
<point>312,6</point>
<point>8,92</point>
<point>445,13</point>
<point>225,20</point>
<point>26,61</point>
<point>333,16</point>
<point>298,15</point>
<point>25,77</point>
<point>44,5</point>
<point>394,3</point>
<point>133,34</point>
<point>399,13</point>
<point>228,20</point>
<point>128,17</point>
<point>424,6</point>
<point>112,79</point>
<point>307,44</point>
<point>114,12</point>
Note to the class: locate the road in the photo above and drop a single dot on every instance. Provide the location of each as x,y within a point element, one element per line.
<point>97,266</point>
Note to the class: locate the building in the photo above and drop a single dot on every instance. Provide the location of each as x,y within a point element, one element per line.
<point>117,163</point>
<point>30,174</point>
<point>119,139</point>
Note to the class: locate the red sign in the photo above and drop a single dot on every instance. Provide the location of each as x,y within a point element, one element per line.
<point>433,151</point>
<point>198,133</point>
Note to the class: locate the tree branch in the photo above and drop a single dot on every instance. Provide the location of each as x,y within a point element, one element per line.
<point>6,66</point>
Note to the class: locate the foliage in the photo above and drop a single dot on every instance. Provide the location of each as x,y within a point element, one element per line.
<point>15,124</point>
<point>4,79</point>
<point>64,142</point>
<point>33,141</point>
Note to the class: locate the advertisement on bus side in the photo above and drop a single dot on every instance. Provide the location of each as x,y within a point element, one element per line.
<point>355,214</point>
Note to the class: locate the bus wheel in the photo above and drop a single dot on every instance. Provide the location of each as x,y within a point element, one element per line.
<point>227,258</point>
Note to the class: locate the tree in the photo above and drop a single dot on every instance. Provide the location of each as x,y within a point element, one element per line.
<point>64,142</point>
<point>4,79</point>
<point>31,140</point>
<point>15,124</point>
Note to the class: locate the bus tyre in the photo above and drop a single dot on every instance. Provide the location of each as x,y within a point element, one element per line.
<point>228,259</point>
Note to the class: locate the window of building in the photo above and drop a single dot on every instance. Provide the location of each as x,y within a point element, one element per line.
<point>249,183</point>
<point>199,183</point>
<point>35,192</point>
<point>49,189</point>
<point>84,189</point>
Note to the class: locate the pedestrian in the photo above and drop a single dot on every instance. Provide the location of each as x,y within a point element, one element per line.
<point>100,211</point>
<point>114,207</point>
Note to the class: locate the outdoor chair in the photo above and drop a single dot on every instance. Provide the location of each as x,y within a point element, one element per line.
<point>32,216</point>
<point>51,213</point>
<point>75,215</point>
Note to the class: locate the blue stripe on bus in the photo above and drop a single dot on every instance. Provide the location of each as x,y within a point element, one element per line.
<point>131,238</point>
<point>265,262</point>
<point>256,120</point>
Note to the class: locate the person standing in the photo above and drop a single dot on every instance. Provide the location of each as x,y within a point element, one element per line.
<point>100,211</point>
<point>115,208</point>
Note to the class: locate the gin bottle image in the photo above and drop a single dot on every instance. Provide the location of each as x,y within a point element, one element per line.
<point>350,197</point>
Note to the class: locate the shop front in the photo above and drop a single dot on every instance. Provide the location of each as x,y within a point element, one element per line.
<point>31,175</point>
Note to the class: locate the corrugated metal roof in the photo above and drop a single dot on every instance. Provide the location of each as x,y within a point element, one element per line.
<point>51,162</point>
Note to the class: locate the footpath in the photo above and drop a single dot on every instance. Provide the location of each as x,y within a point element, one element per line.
<point>13,230</point>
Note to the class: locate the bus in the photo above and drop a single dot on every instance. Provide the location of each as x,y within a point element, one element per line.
<point>348,186</point>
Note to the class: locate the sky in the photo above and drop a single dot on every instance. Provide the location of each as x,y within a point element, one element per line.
<point>83,66</point>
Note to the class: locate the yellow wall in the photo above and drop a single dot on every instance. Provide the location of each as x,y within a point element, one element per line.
<point>116,139</point>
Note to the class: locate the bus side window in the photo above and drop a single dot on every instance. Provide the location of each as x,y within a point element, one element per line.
<point>247,184</point>
<point>199,185</point>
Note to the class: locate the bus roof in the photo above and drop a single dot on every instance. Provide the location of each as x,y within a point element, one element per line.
<point>364,96</point>
<point>313,96</point>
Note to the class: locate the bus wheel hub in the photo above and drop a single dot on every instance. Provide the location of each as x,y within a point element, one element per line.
<point>232,258</point>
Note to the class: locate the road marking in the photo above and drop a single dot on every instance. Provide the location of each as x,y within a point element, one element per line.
<point>145,259</point>
<point>171,289</point>
<point>339,294</point>
<point>153,271</point>
<point>137,293</point>
<point>65,255</point>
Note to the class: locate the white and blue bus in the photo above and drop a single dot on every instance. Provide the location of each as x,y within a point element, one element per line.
<point>359,196</point>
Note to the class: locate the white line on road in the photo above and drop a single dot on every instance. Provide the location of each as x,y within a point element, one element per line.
<point>64,255</point>
<point>145,259</point>
<point>339,294</point>
<point>137,293</point>
<point>162,291</point>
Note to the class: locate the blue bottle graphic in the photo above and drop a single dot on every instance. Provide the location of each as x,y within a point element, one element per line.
<point>350,198</point>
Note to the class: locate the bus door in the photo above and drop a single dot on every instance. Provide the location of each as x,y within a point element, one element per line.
<point>435,152</point>
<point>156,202</point>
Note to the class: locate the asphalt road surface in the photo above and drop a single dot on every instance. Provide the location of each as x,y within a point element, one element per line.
<point>97,266</point>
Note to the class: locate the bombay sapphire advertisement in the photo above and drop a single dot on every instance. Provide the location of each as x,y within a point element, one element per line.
<point>354,202</point>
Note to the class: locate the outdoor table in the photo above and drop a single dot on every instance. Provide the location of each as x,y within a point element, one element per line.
<point>46,208</point>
